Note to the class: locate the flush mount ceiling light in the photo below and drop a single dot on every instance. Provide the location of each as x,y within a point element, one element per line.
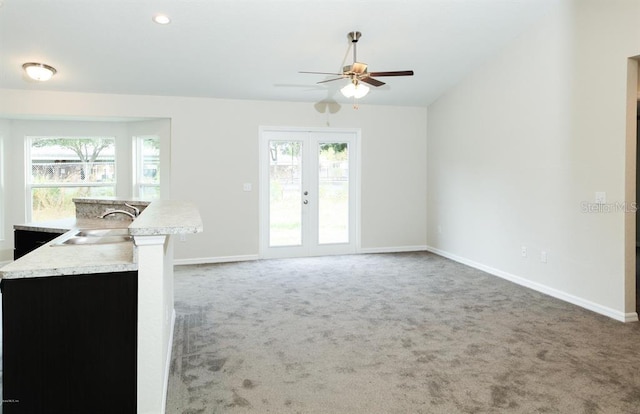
<point>355,89</point>
<point>39,71</point>
<point>161,19</point>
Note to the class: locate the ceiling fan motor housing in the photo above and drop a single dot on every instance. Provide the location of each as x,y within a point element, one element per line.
<point>354,36</point>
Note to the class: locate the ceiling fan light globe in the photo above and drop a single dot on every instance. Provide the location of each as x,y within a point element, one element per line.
<point>356,91</point>
<point>360,91</point>
<point>349,90</point>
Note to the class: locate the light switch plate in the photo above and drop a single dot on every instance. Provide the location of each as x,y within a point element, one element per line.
<point>247,187</point>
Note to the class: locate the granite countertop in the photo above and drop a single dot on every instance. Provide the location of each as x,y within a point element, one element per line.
<point>64,225</point>
<point>159,218</point>
<point>51,260</point>
<point>167,217</point>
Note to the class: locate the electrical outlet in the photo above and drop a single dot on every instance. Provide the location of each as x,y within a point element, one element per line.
<point>601,197</point>
<point>183,237</point>
<point>523,251</point>
<point>543,257</point>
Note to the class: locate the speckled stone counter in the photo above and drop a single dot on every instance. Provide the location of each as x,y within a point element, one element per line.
<point>167,217</point>
<point>51,260</point>
<point>159,218</point>
<point>57,260</point>
<point>64,225</point>
<point>93,207</point>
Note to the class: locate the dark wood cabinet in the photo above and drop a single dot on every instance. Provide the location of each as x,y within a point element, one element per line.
<point>70,344</point>
<point>26,241</point>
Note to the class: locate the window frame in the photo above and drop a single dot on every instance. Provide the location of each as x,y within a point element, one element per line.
<point>138,165</point>
<point>30,185</point>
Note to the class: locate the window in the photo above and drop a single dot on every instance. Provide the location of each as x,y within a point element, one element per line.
<point>146,167</point>
<point>62,168</point>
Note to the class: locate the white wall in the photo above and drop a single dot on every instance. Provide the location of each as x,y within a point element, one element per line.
<point>516,148</point>
<point>214,150</point>
<point>4,231</point>
<point>14,192</point>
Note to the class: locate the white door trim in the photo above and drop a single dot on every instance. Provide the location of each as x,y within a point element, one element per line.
<point>355,169</point>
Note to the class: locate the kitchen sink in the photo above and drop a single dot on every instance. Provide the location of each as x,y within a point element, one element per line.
<point>77,240</point>
<point>95,236</point>
<point>102,232</point>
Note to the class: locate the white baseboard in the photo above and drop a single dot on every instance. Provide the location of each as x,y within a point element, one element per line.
<point>396,249</point>
<point>558,294</point>
<point>248,257</point>
<point>167,364</point>
<point>218,259</point>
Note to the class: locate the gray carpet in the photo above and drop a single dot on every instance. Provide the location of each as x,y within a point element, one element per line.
<point>389,333</point>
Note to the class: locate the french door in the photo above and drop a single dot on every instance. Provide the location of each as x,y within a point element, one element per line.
<point>308,192</point>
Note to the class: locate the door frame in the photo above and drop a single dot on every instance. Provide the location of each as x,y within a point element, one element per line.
<point>263,215</point>
<point>631,216</point>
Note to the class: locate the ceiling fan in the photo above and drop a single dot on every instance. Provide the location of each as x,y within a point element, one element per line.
<point>357,73</point>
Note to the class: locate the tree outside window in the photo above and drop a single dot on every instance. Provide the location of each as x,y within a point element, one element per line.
<point>63,168</point>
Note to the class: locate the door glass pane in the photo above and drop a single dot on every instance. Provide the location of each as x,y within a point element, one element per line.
<point>285,193</point>
<point>333,187</point>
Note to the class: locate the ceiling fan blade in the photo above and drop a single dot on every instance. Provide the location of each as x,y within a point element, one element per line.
<point>322,73</point>
<point>331,80</point>
<point>393,73</point>
<point>371,81</point>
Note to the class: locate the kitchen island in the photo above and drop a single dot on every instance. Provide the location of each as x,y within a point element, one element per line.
<point>142,265</point>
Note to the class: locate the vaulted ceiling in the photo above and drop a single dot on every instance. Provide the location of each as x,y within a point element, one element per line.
<point>254,49</point>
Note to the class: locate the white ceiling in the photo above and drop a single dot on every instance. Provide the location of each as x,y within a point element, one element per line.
<point>253,49</point>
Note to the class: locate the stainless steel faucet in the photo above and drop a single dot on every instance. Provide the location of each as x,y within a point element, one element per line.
<point>136,212</point>
<point>111,212</point>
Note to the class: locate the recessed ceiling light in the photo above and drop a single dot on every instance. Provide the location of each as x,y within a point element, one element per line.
<point>161,19</point>
<point>39,71</point>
